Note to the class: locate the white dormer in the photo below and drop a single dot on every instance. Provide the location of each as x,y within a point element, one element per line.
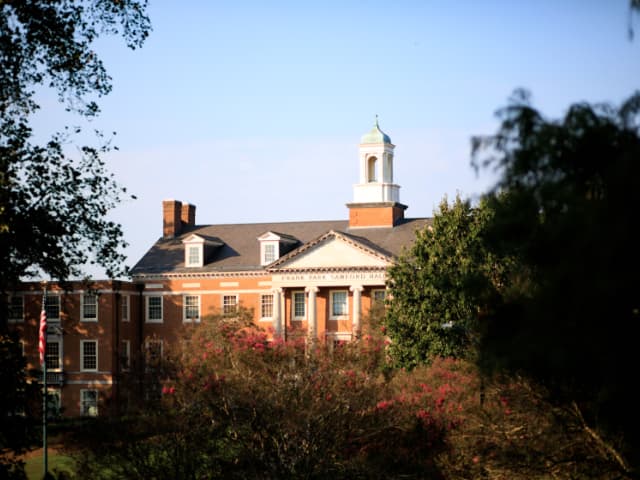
<point>269,247</point>
<point>193,251</point>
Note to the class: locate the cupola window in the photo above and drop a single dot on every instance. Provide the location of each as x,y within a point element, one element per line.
<point>372,169</point>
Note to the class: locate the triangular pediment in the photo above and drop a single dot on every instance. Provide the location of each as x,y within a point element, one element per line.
<point>269,236</point>
<point>193,238</point>
<point>332,250</point>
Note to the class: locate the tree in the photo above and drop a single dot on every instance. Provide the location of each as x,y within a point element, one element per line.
<point>438,288</point>
<point>52,205</point>
<point>236,405</point>
<point>566,206</point>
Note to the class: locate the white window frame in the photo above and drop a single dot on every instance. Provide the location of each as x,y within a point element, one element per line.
<point>83,303</point>
<point>15,318</point>
<point>263,297</point>
<point>82,355</point>
<point>185,307</point>
<point>193,255</point>
<point>125,308</point>
<point>342,316</point>
<point>269,240</point>
<point>148,318</point>
<point>50,309</point>
<point>293,305</point>
<point>60,356</point>
<point>125,355</point>
<point>193,241</point>
<point>89,409</point>
<point>54,407</point>
<point>228,311</point>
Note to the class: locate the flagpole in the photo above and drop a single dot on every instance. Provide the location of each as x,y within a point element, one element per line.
<point>43,361</point>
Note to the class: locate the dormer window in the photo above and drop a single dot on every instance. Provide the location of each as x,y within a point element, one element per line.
<point>274,245</point>
<point>194,256</point>
<point>193,251</point>
<point>269,253</point>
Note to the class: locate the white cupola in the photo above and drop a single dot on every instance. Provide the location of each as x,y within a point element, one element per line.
<point>376,169</point>
<point>376,199</point>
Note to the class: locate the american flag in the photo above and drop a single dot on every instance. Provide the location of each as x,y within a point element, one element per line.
<point>42,345</point>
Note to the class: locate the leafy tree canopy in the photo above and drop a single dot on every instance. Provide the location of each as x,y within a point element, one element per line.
<point>439,286</point>
<point>52,205</point>
<point>567,206</point>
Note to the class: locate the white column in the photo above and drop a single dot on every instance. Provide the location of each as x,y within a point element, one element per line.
<point>312,329</point>
<point>355,317</point>
<point>277,316</point>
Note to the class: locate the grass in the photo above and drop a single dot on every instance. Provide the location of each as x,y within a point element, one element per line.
<point>62,463</point>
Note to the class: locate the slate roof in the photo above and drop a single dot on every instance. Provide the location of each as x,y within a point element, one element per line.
<point>241,249</point>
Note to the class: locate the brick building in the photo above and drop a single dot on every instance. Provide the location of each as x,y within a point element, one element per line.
<point>317,277</point>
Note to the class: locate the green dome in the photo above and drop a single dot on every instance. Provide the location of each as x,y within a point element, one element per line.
<point>375,135</point>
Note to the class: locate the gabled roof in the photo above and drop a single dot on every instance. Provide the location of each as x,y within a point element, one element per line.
<point>359,243</point>
<point>241,250</point>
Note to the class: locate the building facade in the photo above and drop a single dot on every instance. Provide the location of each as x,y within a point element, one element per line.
<point>317,279</point>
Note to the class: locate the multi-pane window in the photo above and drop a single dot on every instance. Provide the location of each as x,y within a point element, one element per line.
<point>89,403</point>
<point>52,356</point>
<point>266,306</point>
<point>379,296</point>
<point>229,304</point>
<point>52,307</point>
<point>16,308</point>
<point>154,308</point>
<point>89,307</point>
<point>89,355</point>
<point>191,308</point>
<point>269,253</point>
<point>299,305</point>
<point>125,355</point>
<point>193,256</point>
<point>53,403</point>
<point>153,352</point>
<point>339,306</point>
<point>124,308</point>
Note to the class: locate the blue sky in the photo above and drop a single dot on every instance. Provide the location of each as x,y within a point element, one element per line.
<point>253,110</point>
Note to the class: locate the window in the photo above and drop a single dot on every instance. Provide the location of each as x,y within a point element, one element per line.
<point>16,308</point>
<point>191,305</point>
<point>125,355</point>
<point>378,296</point>
<point>269,253</point>
<point>154,309</point>
<point>89,307</point>
<point>53,403</point>
<point>298,306</point>
<point>193,251</point>
<point>124,308</point>
<point>194,256</point>
<point>372,169</point>
<point>266,307</point>
<point>339,304</point>
<point>89,403</point>
<point>89,355</point>
<point>52,307</point>
<point>153,351</point>
<point>229,304</point>
<point>53,356</point>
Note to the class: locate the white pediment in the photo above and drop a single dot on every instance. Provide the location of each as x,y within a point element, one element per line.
<point>334,251</point>
<point>193,238</point>
<point>269,236</point>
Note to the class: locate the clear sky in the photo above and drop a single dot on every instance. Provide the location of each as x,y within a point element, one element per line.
<point>253,110</point>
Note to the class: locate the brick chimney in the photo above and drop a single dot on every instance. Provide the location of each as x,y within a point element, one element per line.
<point>171,218</point>
<point>188,215</point>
